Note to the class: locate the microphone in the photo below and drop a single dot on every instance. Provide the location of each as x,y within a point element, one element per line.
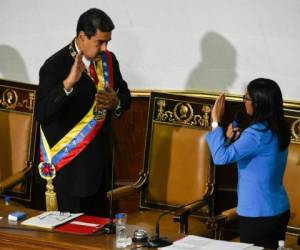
<point>235,125</point>
<point>157,241</point>
<point>110,228</point>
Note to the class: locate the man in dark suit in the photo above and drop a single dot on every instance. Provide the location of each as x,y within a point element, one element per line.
<point>69,100</point>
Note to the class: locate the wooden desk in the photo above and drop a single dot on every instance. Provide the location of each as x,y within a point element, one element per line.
<point>14,236</point>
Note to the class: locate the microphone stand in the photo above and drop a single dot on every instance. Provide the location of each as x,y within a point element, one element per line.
<point>157,241</point>
<point>110,228</point>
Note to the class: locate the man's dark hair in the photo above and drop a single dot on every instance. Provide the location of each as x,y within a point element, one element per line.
<point>268,107</point>
<point>94,19</point>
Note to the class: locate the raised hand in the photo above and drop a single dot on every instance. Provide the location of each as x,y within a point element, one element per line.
<point>75,72</point>
<point>218,109</point>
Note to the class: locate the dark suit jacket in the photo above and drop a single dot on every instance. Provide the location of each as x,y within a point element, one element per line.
<point>59,113</point>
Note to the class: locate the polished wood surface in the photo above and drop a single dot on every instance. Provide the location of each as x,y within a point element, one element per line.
<point>14,236</point>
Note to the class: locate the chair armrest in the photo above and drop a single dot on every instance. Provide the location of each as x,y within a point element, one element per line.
<point>217,223</point>
<point>127,190</point>
<point>187,210</point>
<point>230,214</point>
<point>223,218</point>
<point>14,179</point>
<point>181,215</point>
<point>120,192</point>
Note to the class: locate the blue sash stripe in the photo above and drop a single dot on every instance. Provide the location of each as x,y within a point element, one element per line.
<point>75,141</point>
<point>105,68</point>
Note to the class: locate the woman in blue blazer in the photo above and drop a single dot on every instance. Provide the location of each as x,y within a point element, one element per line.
<point>261,154</point>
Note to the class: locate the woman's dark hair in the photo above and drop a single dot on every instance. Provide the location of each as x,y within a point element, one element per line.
<point>94,19</point>
<point>268,107</point>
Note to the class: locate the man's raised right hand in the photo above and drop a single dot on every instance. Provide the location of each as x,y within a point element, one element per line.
<point>75,72</point>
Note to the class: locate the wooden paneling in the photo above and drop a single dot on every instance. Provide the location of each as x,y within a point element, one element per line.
<point>130,134</point>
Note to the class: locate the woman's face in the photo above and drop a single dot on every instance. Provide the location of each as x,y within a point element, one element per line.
<point>248,104</point>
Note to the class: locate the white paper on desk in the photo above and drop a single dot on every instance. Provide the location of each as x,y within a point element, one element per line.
<point>50,220</point>
<point>192,242</point>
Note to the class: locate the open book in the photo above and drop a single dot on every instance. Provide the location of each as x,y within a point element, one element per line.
<point>49,220</point>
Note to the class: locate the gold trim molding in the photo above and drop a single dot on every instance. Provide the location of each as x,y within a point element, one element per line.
<point>208,95</point>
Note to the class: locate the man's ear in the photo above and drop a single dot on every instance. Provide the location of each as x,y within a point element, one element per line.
<point>81,36</point>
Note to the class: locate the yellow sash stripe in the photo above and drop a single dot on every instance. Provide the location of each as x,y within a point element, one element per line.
<point>46,146</point>
<point>81,124</point>
<point>73,132</point>
<point>100,75</point>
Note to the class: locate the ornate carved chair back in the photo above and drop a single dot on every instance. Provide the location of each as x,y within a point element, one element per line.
<point>17,135</point>
<point>177,158</point>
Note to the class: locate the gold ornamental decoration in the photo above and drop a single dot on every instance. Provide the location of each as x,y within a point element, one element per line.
<point>18,99</point>
<point>183,112</point>
<point>188,113</point>
<point>9,98</point>
<point>295,129</point>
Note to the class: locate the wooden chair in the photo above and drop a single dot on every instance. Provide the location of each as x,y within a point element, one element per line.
<point>17,135</point>
<point>177,166</point>
<point>220,223</point>
<point>292,177</point>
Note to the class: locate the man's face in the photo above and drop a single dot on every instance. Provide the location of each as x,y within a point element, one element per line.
<point>92,47</point>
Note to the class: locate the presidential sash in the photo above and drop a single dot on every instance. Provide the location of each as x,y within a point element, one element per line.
<point>66,149</point>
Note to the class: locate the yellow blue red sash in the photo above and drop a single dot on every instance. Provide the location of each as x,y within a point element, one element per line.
<point>66,149</point>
